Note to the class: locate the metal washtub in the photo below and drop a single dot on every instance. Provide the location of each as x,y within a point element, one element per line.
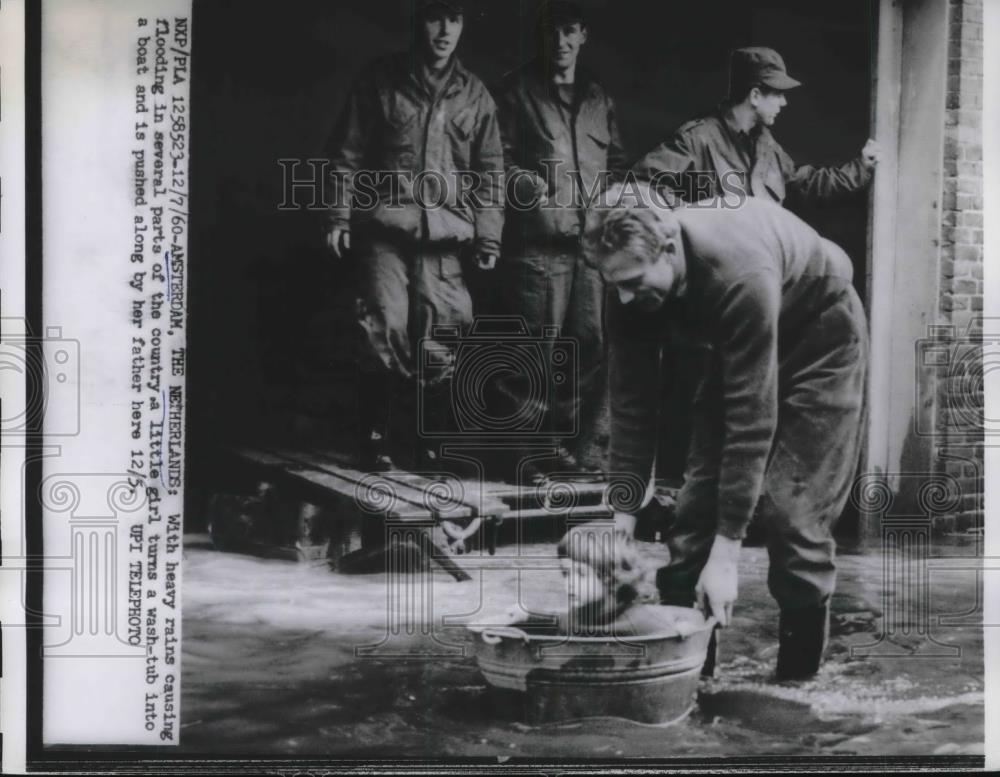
<point>649,679</point>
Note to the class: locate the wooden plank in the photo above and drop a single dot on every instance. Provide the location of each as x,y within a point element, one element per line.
<point>585,493</point>
<point>345,484</point>
<point>482,503</point>
<point>407,505</point>
<point>488,497</point>
<point>412,488</point>
<point>352,478</point>
<point>580,511</point>
<point>472,495</point>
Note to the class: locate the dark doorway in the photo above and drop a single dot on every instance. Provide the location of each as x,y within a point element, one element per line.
<point>271,315</point>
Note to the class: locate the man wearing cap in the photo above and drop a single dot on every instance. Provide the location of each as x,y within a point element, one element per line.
<point>417,165</point>
<point>561,146</point>
<point>779,414</point>
<point>732,151</point>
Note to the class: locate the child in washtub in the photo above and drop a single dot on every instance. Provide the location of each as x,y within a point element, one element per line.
<point>602,571</point>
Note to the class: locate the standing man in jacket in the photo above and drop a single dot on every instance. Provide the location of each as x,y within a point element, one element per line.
<point>779,413</point>
<point>417,167</point>
<point>561,145</point>
<point>732,151</point>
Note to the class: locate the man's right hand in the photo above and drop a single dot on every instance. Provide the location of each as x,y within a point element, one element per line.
<point>541,193</point>
<point>338,240</point>
<point>531,191</point>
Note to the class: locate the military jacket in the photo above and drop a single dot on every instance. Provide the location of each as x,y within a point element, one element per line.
<point>576,152</point>
<point>429,166</point>
<point>711,157</point>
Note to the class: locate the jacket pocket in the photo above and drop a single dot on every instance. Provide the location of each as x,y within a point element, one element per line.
<point>401,124</point>
<point>463,124</point>
<point>461,130</point>
<point>600,138</point>
<point>723,178</point>
<point>402,113</point>
<point>774,181</point>
<point>449,266</point>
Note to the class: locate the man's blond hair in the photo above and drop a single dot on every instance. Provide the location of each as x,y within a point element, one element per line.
<point>632,219</point>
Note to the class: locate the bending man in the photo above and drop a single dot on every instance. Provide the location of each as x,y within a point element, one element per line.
<point>779,411</point>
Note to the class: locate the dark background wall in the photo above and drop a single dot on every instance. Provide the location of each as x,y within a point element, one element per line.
<point>270,314</point>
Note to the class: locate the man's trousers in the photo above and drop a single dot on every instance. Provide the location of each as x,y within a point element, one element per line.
<point>812,463</point>
<point>406,291</point>
<point>553,289</point>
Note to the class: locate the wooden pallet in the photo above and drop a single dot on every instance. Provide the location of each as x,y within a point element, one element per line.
<point>300,488</point>
<point>484,497</point>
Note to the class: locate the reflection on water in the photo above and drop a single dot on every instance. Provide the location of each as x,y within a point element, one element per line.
<point>270,667</point>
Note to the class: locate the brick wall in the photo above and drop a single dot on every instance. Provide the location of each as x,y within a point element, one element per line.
<point>959,445</point>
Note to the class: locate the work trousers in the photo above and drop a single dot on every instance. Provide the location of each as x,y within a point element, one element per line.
<point>554,290</point>
<point>812,464</point>
<point>406,291</point>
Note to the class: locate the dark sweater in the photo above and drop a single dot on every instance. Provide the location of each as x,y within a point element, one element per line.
<point>757,276</point>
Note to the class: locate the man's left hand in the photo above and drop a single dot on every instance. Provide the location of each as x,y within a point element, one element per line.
<point>717,585</point>
<point>625,525</point>
<point>486,260</point>
<point>871,154</point>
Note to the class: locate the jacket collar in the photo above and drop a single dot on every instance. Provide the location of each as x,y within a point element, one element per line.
<point>457,76</point>
<point>587,86</point>
<point>759,135</point>
<point>725,111</point>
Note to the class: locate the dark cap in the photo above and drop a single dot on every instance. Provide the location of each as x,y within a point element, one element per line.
<point>755,66</point>
<point>555,12</point>
<point>455,6</point>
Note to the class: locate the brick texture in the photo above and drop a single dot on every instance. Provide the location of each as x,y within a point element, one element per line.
<point>959,394</point>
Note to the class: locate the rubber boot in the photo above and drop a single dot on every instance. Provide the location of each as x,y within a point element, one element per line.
<point>375,398</point>
<point>802,638</point>
<point>711,655</point>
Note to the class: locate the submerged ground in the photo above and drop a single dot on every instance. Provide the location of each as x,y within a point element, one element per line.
<point>270,667</point>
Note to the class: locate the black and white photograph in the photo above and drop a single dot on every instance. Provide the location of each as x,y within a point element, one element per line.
<point>514,385</point>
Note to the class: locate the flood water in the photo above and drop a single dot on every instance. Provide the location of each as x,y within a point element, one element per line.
<point>288,659</point>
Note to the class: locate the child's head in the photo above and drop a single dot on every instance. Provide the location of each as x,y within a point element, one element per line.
<point>596,565</point>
